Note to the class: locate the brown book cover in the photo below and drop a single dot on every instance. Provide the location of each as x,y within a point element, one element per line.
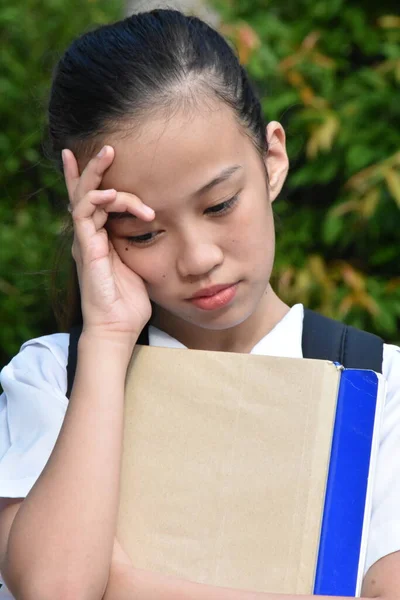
<point>224,466</point>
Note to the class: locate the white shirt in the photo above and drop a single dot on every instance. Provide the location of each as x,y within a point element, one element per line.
<point>33,406</point>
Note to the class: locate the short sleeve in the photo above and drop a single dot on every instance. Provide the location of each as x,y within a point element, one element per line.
<point>384,531</point>
<point>32,410</point>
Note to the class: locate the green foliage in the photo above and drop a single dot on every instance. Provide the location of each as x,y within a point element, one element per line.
<point>33,35</point>
<point>329,70</point>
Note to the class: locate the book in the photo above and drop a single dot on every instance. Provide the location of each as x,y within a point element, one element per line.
<point>250,472</point>
<point>348,496</point>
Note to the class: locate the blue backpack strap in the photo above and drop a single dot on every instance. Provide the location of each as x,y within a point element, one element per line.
<point>74,336</point>
<point>326,339</point>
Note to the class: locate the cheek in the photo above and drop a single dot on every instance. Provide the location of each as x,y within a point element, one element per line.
<point>151,264</point>
<point>252,232</point>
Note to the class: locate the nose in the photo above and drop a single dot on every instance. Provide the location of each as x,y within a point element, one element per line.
<point>198,256</point>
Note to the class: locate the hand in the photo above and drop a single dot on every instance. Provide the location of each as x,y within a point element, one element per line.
<point>114,298</point>
<point>119,556</point>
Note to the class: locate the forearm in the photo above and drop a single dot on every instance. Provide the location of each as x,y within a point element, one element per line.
<point>153,586</point>
<point>62,536</point>
<point>127,583</point>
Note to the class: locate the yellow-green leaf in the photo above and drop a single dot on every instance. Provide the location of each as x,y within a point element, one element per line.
<point>392,178</point>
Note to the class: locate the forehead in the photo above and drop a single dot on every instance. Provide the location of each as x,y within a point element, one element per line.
<point>179,154</point>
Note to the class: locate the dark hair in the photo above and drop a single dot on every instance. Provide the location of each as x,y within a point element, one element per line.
<point>151,61</point>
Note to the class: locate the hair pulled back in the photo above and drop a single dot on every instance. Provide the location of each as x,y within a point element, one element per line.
<point>110,77</point>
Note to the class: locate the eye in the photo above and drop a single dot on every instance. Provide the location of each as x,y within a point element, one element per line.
<point>143,240</point>
<point>223,207</point>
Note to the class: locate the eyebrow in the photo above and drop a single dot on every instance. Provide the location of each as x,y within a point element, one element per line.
<point>220,178</point>
<point>224,175</point>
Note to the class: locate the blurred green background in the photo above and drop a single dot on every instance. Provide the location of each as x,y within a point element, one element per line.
<point>329,70</point>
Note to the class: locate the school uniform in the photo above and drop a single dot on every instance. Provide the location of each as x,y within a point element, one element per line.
<point>34,403</point>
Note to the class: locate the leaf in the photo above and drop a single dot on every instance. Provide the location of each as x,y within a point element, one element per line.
<point>392,178</point>
<point>332,229</point>
<point>322,137</point>
<point>389,22</point>
<point>346,305</point>
<point>319,270</point>
<point>354,279</point>
<point>369,202</point>
<point>246,40</point>
<point>366,301</point>
<point>353,205</point>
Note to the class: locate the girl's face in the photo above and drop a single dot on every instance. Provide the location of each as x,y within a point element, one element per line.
<point>213,227</point>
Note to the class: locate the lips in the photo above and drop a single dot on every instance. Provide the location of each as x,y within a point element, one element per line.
<point>211,291</point>
<point>215,297</point>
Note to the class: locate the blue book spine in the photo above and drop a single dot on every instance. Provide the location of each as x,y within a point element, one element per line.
<point>346,492</point>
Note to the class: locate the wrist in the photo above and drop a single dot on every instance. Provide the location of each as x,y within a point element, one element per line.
<point>113,347</point>
<point>121,341</point>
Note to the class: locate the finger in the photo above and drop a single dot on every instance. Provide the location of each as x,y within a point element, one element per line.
<point>88,216</point>
<point>86,208</point>
<point>71,171</point>
<point>126,203</point>
<point>119,555</point>
<point>123,203</point>
<point>79,185</point>
<point>91,214</point>
<point>98,204</point>
<point>93,173</point>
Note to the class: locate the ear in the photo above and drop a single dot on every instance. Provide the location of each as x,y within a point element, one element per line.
<point>276,160</point>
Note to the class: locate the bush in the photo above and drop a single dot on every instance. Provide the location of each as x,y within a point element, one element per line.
<point>34,34</point>
<point>330,71</point>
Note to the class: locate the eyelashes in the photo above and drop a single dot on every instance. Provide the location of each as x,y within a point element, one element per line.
<point>216,211</point>
<point>223,207</point>
<point>144,239</point>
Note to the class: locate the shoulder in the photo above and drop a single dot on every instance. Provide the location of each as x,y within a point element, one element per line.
<point>390,428</point>
<point>41,362</point>
<point>384,532</point>
<point>391,373</point>
<point>32,409</point>
<point>391,362</point>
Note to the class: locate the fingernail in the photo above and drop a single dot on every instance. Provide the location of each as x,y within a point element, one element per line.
<point>147,210</point>
<point>63,156</point>
<point>102,151</point>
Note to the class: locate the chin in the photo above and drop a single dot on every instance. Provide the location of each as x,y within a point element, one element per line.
<point>220,320</point>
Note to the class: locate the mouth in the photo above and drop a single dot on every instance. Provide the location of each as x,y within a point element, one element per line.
<point>214,297</point>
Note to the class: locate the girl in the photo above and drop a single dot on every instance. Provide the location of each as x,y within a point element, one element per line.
<point>171,174</point>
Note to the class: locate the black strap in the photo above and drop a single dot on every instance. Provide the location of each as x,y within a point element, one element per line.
<point>74,336</point>
<point>326,339</point>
